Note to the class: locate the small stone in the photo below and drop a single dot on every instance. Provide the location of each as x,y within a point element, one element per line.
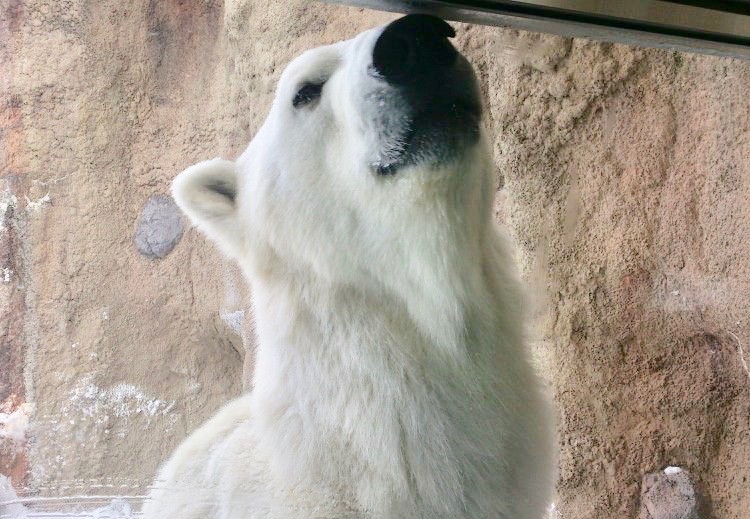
<point>670,494</point>
<point>233,320</point>
<point>159,228</point>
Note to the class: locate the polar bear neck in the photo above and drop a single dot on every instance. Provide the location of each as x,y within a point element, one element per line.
<point>349,389</point>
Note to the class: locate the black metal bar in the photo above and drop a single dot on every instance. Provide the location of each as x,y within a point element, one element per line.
<point>719,28</point>
<point>727,6</point>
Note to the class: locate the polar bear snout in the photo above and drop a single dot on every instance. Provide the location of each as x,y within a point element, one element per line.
<point>413,48</point>
<point>429,93</point>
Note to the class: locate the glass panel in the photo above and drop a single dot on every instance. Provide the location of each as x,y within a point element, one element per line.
<point>363,215</point>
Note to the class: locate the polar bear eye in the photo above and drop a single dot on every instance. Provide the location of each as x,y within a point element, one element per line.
<point>307,93</point>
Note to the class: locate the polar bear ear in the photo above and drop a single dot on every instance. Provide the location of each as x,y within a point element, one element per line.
<point>207,193</point>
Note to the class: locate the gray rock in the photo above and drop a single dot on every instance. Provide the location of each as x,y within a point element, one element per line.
<point>670,494</point>
<point>233,320</point>
<point>159,228</point>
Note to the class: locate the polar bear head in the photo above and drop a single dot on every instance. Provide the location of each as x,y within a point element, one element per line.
<point>372,166</point>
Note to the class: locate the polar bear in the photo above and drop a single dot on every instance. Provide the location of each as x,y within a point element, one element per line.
<point>391,376</point>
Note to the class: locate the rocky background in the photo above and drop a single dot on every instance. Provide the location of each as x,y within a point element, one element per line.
<point>623,175</point>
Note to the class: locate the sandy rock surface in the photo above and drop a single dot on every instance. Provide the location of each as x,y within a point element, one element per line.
<point>623,175</point>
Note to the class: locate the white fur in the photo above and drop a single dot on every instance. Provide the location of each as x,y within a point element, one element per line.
<point>391,378</point>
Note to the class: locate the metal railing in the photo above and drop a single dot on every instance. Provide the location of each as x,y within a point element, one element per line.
<point>711,27</point>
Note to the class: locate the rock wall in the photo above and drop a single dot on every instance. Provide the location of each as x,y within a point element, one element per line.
<point>121,354</point>
<point>628,179</point>
<point>623,174</point>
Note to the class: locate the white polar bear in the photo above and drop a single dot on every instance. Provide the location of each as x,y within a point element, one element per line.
<point>391,378</point>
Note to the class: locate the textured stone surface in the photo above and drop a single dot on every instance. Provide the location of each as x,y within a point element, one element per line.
<point>159,228</point>
<point>670,494</point>
<point>121,355</point>
<point>628,175</point>
<point>624,174</point>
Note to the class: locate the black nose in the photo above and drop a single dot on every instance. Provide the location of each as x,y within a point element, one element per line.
<point>414,48</point>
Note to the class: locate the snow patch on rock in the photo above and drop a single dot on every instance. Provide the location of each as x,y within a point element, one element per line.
<point>13,426</point>
<point>122,400</point>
